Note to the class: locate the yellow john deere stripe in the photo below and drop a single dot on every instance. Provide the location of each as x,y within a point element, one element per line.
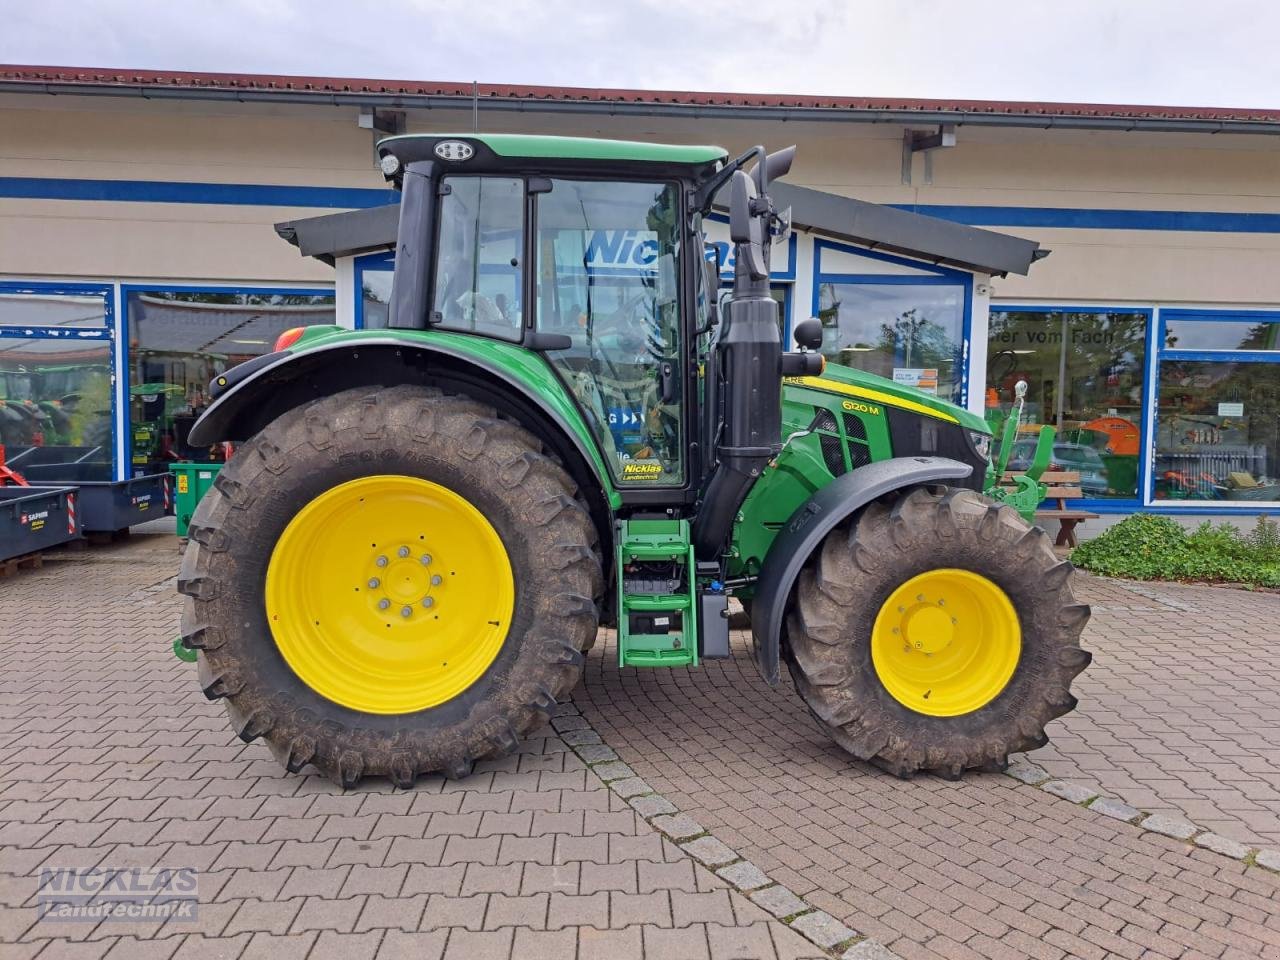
<point>866,393</point>
<point>389,594</point>
<point>946,642</point>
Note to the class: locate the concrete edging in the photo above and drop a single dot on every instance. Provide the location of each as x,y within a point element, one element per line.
<point>1024,771</point>
<point>817,926</point>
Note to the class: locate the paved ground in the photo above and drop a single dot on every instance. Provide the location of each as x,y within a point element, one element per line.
<point>1181,708</point>
<point>109,756</point>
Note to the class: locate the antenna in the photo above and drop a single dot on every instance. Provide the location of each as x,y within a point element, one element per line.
<point>475,106</point>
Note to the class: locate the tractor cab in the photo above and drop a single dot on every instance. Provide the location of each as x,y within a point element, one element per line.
<point>588,252</point>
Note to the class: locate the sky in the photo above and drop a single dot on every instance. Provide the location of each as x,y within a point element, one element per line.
<point>1172,52</point>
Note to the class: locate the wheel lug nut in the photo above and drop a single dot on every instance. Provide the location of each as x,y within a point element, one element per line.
<point>384,603</point>
<point>436,580</point>
<point>427,602</point>
<point>381,561</point>
<point>406,611</point>
<point>374,583</point>
<point>402,552</point>
<point>426,559</point>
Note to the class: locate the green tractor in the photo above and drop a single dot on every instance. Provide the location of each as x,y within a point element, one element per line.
<point>425,526</point>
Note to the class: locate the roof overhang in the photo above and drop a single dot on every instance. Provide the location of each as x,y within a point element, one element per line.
<point>840,218</point>
<point>530,98</point>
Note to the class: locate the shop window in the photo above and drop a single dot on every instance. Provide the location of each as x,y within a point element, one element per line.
<point>55,407</point>
<point>55,381</point>
<point>912,333</point>
<point>1217,432</point>
<point>1084,371</point>
<point>181,340</point>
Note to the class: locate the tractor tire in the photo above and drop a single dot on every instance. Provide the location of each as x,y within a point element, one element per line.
<point>286,537</point>
<point>870,635</point>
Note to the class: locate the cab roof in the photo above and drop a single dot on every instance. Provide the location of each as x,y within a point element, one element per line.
<point>513,152</point>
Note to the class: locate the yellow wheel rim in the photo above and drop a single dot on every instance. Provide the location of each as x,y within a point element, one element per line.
<point>389,594</point>
<point>946,642</point>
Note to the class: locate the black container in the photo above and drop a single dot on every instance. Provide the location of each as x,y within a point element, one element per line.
<point>36,518</point>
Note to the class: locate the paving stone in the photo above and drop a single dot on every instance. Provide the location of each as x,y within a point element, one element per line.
<point>579,737</point>
<point>630,787</point>
<point>423,945</point>
<point>651,805</point>
<point>346,946</point>
<point>594,944</point>
<point>1115,809</point>
<point>710,851</point>
<point>1027,773</point>
<point>544,944</point>
<point>744,875</point>
<point>679,826</point>
<point>1075,792</point>
<point>1170,826</point>
<point>595,752</point>
<point>685,943</point>
<point>874,950</point>
<point>616,770</point>
<point>1222,845</point>
<point>1269,859</point>
<point>779,901</point>
<point>822,928</point>
<point>485,945</point>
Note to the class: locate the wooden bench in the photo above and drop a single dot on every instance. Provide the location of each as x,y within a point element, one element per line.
<point>1061,486</point>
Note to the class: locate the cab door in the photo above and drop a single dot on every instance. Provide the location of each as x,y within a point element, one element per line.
<point>607,263</point>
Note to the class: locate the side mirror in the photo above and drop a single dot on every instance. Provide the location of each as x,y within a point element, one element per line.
<point>808,334</point>
<point>745,229</point>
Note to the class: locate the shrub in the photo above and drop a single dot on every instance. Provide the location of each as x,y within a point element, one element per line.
<point>1147,547</point>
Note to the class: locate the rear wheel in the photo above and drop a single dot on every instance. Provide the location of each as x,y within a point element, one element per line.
<point>390,584</point>
<point>938,632</point>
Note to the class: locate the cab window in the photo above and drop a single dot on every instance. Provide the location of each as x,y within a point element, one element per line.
<point>478,281</point>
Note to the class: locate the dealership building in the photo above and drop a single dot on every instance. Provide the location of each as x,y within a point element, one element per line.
<point>1122,260</point>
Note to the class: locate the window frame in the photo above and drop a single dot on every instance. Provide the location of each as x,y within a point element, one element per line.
<point>931,275</point>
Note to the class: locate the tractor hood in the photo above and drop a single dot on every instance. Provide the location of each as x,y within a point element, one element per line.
<point>860,385</point>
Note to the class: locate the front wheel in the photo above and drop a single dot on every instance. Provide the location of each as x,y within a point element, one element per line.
<point>937,632</point>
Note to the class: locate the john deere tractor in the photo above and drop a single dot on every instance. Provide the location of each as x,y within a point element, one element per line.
<point>563,427</point>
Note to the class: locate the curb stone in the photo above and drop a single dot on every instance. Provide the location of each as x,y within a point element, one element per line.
<point>1090,799</point>
<point>816,926</point>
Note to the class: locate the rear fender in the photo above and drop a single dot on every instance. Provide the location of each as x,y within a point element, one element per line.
<point>811,522</point>
<point>516,382</point>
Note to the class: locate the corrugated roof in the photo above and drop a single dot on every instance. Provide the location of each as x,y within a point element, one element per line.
<point>176,82</point>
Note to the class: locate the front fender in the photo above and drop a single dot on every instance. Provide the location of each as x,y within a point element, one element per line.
<point>811,522</point>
